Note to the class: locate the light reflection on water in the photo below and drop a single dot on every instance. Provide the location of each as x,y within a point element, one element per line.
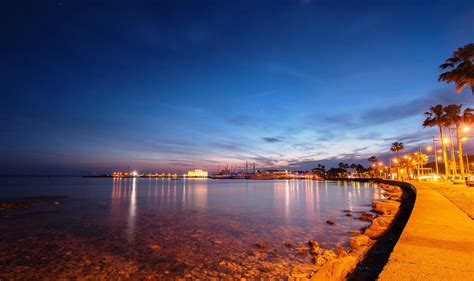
<point>124,216</point>
<point>300,202</point>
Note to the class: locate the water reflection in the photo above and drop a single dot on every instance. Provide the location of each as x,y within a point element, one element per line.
<point>191,224</point>
<point>302,203</point>
<point>295,196</point>
<point>132,209</point>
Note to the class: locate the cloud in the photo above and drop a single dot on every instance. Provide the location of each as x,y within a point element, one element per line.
<point>396,111</point>
<point>271,139</point>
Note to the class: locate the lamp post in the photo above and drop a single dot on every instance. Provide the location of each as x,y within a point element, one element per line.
<point>429,148</point>
<point>395,162</point>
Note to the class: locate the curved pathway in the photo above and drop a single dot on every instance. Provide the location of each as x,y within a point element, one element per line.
<point>437,242</point>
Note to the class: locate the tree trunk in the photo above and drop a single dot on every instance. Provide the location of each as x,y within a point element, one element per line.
<point>461,160</point>
<point>443,146</point>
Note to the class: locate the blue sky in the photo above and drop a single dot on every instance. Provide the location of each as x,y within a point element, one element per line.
<point>174,85</point>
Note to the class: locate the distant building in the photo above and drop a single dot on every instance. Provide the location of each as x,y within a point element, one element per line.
<point>197,174</point>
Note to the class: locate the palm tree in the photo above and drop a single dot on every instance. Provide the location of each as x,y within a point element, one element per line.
<point>373,160</point>
<point>455,116</point>
<point>435,117</point>
<point>461,66</point>
<point>397,147</point>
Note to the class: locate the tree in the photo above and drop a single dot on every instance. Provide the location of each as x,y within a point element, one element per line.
<point>397,147</point>
<point>455,116</point>
<point>320,170</point>
<point>436,117</point>
<point>373,160</point>
<point>461,66</point>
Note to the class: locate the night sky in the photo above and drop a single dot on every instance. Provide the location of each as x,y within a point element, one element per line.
<point>94,86</point>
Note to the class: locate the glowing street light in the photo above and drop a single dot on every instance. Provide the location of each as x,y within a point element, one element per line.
<point>446,140</point>
<point>466,128</point>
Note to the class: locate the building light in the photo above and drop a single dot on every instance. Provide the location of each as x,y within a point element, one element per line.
<point>198,174</point>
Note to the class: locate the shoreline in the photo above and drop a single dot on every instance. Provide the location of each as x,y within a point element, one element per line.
<point>332,262</point>
<point>437,242</point>
<point>370,247</point>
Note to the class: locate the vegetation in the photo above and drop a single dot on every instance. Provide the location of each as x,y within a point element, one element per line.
<point>455,116</point>
<point>397,147</point>
<point>435,117</point>
<point>461,68</point>
<point>373,159</point>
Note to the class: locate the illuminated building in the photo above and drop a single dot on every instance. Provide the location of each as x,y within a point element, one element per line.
<point>197,174</point>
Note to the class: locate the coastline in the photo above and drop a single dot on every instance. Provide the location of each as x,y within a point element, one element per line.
<point>332,262</point>
<point>370,247</point>
<point>436,244</point>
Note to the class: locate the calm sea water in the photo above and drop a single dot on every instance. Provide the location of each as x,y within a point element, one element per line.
<point>197,227</point>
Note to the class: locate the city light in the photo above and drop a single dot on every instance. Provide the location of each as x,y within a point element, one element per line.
<point>429,148</point>
<point>466,128</point>
<point>446,140</point>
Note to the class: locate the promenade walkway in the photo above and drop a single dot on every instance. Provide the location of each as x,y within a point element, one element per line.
<point>437,242</point>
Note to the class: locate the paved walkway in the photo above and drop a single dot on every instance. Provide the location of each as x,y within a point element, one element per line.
<point>436,244</point>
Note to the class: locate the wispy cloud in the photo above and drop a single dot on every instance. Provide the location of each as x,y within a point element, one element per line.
<point>271,139</point>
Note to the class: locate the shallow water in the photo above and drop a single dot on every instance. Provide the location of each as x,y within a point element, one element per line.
<point>172,228</point>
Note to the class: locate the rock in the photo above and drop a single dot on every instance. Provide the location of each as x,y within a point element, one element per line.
<point>356,232</point>
<point>301,250</point>
<point>365,216</point>
<point>319,260</point>
<point>341,252</point>
<point>330,222</point>
<point>378,227</point>
<point>348,215</point>
<point>315,249</point>
<point>359,241</point>
<point>336,269</point>
<point>347,211</point>
<point>386,207</point>
<point>261,245</point>
<point>154,247</point>
<point>329,254</point>
<point>288,244</point>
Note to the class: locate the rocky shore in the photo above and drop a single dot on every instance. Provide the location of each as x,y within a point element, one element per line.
<point>96,251</point>
<point>339,263</point>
